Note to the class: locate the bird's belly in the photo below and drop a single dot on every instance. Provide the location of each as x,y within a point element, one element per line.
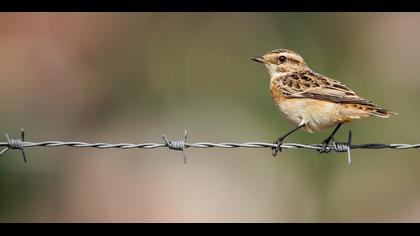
<point>315,114</point>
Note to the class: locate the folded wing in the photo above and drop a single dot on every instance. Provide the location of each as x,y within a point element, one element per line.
<point>308,84</point>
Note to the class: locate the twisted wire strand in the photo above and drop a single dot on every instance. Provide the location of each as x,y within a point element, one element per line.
<point>182,144</point>
<point>27,144</point>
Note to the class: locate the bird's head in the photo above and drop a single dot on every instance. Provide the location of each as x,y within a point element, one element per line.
<point>281,61</point>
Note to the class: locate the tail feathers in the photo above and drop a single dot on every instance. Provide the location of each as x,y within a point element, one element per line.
<point>383,113</point>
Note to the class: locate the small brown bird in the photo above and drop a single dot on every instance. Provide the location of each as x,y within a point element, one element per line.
<point>310,100</point>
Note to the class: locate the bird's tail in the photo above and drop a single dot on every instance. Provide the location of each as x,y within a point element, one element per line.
<point>382,113</point>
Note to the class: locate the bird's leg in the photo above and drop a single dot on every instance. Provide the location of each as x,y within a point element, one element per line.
<point>326,142</point>
<point>279,141</point>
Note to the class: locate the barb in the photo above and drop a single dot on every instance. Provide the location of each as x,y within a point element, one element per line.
<point>181,145</point>
<point>344,147</point>
<point>15,144</point>
<point>177,145</point>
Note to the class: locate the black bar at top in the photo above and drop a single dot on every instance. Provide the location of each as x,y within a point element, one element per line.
<point>211,5</point>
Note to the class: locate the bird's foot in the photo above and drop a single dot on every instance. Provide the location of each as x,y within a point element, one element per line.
<point>278,147</point>
<point>325,143</point>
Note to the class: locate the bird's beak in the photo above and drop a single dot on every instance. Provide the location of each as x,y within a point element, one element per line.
<point>258,59</point>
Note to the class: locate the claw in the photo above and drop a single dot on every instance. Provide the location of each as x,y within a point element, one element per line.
<point>323,149</point>
<point>325,144</point>
<point>279,141</point>
<point>278,147</point>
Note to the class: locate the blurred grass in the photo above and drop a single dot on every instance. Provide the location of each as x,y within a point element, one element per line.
<point>131,77</point>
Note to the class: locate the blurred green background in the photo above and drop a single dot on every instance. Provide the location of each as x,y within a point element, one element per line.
<point>130,77</point>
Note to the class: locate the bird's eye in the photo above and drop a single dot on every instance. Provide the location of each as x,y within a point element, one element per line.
<point>282,59</point>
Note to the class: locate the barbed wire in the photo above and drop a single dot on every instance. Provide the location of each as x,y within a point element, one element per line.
<point>182,145</point>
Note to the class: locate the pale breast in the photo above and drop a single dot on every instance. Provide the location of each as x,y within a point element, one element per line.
<point>284,105</point>
<point>316,114</point>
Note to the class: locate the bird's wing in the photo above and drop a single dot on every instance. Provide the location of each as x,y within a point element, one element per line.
<point>308,84</point>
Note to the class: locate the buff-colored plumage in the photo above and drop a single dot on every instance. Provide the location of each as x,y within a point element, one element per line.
<point>311,99</point>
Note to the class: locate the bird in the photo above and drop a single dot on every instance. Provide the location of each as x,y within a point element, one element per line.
<point>312,101</point>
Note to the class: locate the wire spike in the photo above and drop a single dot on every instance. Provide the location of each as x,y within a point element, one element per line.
<point>15,144</point>
<point>4,150</point>
<point>183,147</point>
<point>177,145</point>
<point>349,149</point>
<point>22,138</point>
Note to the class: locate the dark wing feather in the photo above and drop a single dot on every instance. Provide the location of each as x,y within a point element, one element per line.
<point>308,84</point>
